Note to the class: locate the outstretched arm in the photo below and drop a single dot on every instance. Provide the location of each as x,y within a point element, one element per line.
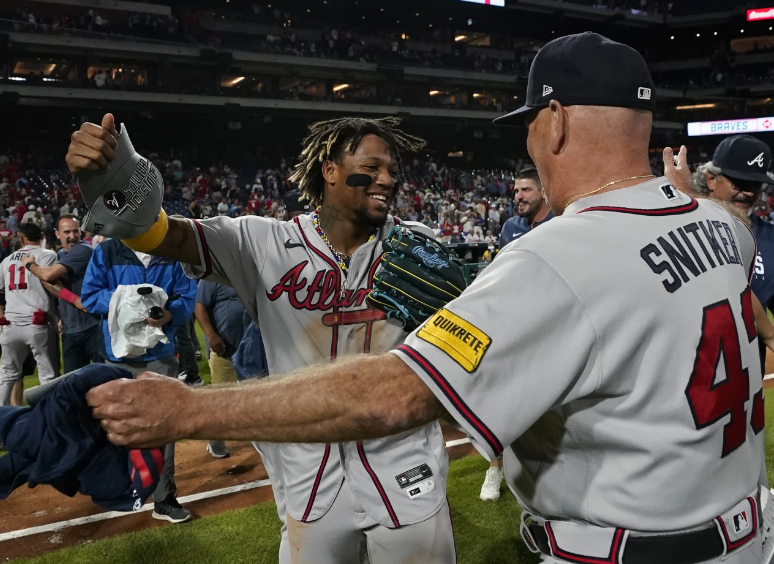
<point>46,273</point>
<point>362,397</point>
<point>92,148</point>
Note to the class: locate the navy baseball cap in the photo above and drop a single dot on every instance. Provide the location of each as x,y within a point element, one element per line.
<point>294,203</point>
<point>587,69</point>
<point>743,157</point>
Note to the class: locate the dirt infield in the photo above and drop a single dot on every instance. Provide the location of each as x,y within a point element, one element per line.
<point>196,472</point>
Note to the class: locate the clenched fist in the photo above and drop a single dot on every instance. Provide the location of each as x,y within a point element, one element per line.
<point>142,413</point>
<point>92,146</point>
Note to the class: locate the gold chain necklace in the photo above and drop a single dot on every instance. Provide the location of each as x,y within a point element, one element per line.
<point>341,258</point>
<point>608,185</point>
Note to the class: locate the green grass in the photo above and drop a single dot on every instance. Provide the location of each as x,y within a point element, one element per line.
<point>486,533</point>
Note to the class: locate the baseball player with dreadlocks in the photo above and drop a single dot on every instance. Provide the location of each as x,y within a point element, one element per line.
<point>309,279</point>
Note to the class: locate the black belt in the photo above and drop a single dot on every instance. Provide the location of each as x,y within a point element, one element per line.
<point>680,548</point>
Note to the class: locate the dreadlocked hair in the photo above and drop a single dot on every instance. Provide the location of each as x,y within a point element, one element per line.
<point>332,139</point>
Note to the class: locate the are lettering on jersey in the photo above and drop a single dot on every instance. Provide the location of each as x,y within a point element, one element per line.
<point>691,248</point>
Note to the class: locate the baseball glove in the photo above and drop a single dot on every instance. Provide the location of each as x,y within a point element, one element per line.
<point>418,277</point>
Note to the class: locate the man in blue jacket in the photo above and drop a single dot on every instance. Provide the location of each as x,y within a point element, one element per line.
<point>113,264</point>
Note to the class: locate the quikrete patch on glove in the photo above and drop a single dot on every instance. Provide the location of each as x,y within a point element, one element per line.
<point>124,201</point>
<point>418,277</point>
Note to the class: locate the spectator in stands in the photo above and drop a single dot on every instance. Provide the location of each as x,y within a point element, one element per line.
<point>223,207</point>
<point>114,264</point>
<point>6,236</point>
<point>531,208</point>
<point>80,329</point>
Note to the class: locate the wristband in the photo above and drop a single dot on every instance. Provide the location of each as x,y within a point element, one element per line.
<point>152,238</point>
<point>68,296</point>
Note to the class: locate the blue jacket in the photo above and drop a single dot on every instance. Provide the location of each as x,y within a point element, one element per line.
<point>58,442</point>
<point>114,264</point>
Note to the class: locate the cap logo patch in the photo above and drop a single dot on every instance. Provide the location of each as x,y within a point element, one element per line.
<point>644,93</point>
<point>547,90</point>
<point>757,160</point>
<point>114,200</point>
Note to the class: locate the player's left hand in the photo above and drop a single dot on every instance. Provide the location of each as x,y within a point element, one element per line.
<point>26,261</point>
<point>166,318</point>
<point>141,413</point>
<point>677,171</point>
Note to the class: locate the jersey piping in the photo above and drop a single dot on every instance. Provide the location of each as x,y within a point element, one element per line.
<point>204,249</point>
<point>675,210</point>
<point>457,401</point>
<point>323,464</point>
<point>378,485</point>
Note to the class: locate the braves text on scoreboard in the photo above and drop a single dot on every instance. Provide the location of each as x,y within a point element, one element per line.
<point>731,126</point>
<point>488,2</point>
<point>760,14</point>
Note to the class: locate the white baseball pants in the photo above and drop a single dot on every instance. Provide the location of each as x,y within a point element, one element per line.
<point>345,533</point>
<point>17,342</point>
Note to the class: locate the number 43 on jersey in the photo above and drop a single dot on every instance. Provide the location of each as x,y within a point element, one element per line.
<point>710,401</point>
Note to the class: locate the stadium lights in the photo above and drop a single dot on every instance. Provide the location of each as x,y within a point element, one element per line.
<point>477,95</point>
<point>340,87</point>
<point>698,35</point>
<point>459,38</point>
<point>697,107</point>
<point>19,78</point>
<point>716,33</point>
<point>236,80</point>
<point>672,37</point>
<point>741,31</point>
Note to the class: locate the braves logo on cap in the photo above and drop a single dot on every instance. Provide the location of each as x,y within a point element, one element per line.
<point>114,200</point>
<point>757,160</point>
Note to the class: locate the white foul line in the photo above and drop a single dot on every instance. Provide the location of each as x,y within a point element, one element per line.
<point>53,527</point>
<point>457,442</point>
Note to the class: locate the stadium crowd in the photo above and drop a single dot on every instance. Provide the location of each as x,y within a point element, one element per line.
<point>283,37</point>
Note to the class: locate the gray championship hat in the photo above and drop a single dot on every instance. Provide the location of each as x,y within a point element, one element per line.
<point>124,201</point>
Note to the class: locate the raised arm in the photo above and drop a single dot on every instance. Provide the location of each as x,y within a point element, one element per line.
<point>92,149</point>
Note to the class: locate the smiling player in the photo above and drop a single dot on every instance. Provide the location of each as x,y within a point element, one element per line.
<point>308,279</point>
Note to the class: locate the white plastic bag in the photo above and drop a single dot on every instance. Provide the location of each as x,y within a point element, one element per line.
<point>130,334</point>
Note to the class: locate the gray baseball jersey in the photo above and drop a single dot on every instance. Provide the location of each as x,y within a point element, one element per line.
<point>287,277</point>
<point>626,390</point>
<point>24,292</point>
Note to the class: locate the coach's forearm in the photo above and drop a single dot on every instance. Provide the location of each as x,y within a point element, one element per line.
<point>179,243</point>
<point>359,398</point>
